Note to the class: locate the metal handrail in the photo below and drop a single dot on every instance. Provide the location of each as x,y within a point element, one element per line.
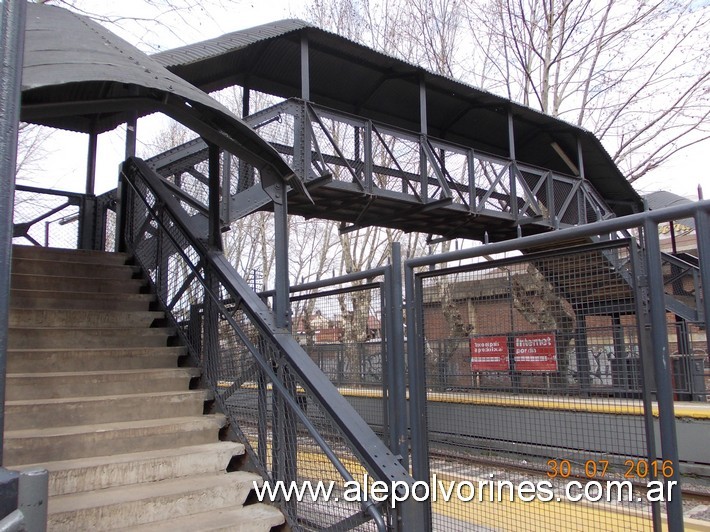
<point>362,440</point>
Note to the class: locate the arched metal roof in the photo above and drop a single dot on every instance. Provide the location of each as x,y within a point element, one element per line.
<point>79,76</point>
<point>350,77</point>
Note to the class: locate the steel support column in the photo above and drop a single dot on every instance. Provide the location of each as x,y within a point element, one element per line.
<point>423,130</point>
<point>582,215</point>
<point>122,189</point>
<point>513,170</point>
<point>215,225</point>
<point>662,370</point>
<point>12,33</point>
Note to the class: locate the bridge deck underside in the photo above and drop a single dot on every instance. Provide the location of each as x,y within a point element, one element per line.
<point>345,202</point>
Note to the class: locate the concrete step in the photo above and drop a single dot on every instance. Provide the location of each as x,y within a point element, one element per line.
<point>250,518</point>
<point>27,386</point>
<point>45,338</point>
<point>76,284</point>
<point>64,412</point>
<point>65,443</point>
<point>88,474</point>
<point>52,360</point>
<point>146,503</point>
<point>72,255</point>
<point>53,299</point>
<point>82,318</point>
<point>73,269</point>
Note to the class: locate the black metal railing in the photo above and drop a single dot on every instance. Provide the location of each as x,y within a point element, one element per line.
<point>375,158</point>
<point>295,424</point>
<point>61,219</point>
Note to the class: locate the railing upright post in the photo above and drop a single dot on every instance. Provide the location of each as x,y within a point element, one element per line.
<point>419,518</point>
<point>662,370</point>
<point>702,234</point>
<point>643,328</point>
<point>12,34</point>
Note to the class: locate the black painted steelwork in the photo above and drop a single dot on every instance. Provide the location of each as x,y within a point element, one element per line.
<point>379,175</point>
<point>274,351</point>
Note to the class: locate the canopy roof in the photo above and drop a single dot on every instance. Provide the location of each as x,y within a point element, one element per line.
<point>350,77</point>
<point>79,76</point>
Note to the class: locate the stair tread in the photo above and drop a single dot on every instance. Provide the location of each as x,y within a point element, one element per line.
<point>145,330</point>
<point>133,493</point>
<point>217,419</point>
<point>148,373</point>
<point>98,398</point>
<point>240,519</point>
<point>79,295</point>
<point>94,461</point>
<point>111,350</point>
<point>74,254</point>
<point>76,277</point>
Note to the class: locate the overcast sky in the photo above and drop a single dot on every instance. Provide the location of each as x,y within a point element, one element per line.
<point>681,174</point>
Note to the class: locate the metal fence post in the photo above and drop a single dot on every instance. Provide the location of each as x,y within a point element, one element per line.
<point>640,287</point>
<point>419,442</point>
<point>662,369</point>
<point>12,33</point>
<point>33,498</point>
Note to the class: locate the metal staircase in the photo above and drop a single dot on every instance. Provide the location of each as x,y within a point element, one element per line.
<point>96,395</point>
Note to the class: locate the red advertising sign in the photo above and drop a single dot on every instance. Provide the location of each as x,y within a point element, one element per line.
<point>535,352</point>
<point>489,353</point>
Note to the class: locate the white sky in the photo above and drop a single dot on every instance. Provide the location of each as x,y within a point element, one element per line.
<point>681,175</point>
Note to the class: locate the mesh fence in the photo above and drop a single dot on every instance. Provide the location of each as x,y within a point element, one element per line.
<point>534,374</point>
<point>48,219</point>
<point>288,433</point>
<point>342,328</point>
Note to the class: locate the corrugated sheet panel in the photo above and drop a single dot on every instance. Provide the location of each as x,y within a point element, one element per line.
<point>229,42</point>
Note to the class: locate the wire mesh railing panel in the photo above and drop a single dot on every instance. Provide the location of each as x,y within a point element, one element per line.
<point>289,434</point>
<point>341,326</point>
<point>534,376</point>
<point>48,219</point>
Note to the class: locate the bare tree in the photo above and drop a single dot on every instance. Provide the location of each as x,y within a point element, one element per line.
<point>635,73</point>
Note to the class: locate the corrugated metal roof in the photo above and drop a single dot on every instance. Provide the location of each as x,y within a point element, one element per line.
<point>350,77</point>
<point>229,42</point>
<point>79,76</point>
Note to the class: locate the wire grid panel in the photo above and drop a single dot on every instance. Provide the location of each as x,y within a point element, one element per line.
<point>342,329</point>
<point>533,374</point>
<point>263,412</point>
<point>52,220</point>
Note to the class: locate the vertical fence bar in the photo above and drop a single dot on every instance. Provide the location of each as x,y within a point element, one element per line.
<point>417,391</point>
<point>662,370</point>
<point>12,33</point>
<point>702,234</point>
<point>640,287</point>
<point>399,366</point>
